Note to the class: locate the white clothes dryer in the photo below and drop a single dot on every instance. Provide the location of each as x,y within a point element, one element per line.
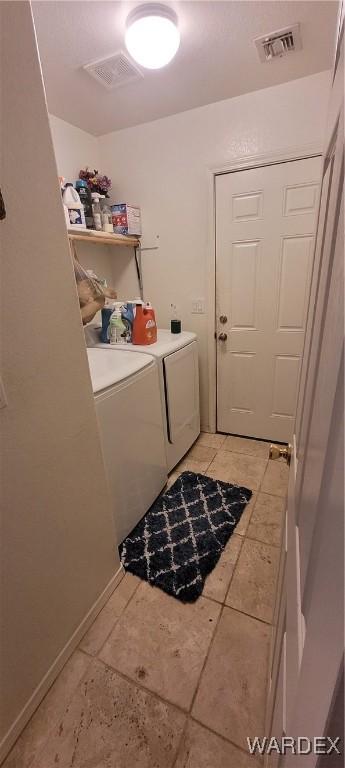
<point>126,389</point>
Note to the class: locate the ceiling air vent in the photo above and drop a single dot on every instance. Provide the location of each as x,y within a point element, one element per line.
<point>114,71</point>
<point>278,44</point>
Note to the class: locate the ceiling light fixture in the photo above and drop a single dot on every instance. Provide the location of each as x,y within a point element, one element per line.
<point>152,35</point>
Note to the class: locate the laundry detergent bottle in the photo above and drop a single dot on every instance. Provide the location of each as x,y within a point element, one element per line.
<point>144,325</point>
<point>117,329</point>
<point>74,207</point>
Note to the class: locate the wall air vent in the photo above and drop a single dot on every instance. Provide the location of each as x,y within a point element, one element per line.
<point>113,72</point>
<point>278,44</point>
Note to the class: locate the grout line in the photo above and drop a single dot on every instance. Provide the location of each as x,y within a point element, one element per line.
<point>206,659</point>
<point>192,719</point>
<point>95,655</point>
<point>276,495</point>
<point>226,605</point>
<point>181,740</point>
<point>261,541</point>
<point>219,735</point>
<point>269,493</point>
<point>222,602</point>
<point>248,455</point>
<point>234,568</point>
<point>250,615</point>
<point>138,684</point>
<point>212,599</point>
<point>213,447</point>
<point>208,466</point>
<point>86,653</point>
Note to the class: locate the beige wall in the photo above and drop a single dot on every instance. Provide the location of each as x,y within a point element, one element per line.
<point>57,540</point>
<point>74,148</point>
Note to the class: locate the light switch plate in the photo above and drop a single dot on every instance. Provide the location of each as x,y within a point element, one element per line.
<point>198,307</point>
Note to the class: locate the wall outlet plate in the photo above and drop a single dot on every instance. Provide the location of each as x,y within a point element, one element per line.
<point>150,243</point>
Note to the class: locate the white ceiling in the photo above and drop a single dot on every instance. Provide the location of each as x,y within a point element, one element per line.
<point>216,60</point>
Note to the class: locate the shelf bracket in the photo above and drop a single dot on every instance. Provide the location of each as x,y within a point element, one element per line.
<point>138,264</point>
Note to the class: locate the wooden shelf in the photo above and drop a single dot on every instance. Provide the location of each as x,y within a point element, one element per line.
<point>106,238</point>
<point>103,238</point>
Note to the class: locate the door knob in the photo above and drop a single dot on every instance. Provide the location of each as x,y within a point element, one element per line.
<point>223,336</point>
<point>281,452</point>
<point>223,319</point>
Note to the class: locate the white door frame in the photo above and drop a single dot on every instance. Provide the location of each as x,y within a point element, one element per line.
<point>239,164</point>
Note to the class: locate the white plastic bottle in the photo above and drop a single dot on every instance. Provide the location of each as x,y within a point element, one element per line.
<point>117,328</point>
<point>107,219</point>
<point>66,214</point>
<point>76,215</point>
<point>96,210</point>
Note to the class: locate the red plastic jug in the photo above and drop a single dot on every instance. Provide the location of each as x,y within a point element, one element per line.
<point>144,326</point>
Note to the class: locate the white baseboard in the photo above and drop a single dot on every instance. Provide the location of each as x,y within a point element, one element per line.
<point>35,699</point>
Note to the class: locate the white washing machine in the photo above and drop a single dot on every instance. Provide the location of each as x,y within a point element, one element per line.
<point>177,358</point>
<point>126,388</point>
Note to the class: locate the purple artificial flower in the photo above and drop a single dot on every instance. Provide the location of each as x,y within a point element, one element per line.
<point>96,181</point>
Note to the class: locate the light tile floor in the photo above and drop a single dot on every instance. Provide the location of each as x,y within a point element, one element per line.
<point>159,684</point>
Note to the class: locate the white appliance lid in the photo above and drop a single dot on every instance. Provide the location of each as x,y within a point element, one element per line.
<point>166,342</point>
<point>106,369</point>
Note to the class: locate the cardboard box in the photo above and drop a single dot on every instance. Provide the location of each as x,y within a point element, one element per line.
<point>126,219</point>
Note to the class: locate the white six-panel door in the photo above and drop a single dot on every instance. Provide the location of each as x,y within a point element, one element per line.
<point>265,227</point>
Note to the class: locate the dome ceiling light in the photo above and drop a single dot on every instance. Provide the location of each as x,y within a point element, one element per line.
<point>152,35</point>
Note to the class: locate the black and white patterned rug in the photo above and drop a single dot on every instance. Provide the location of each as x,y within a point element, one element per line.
<point>180,539</point>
